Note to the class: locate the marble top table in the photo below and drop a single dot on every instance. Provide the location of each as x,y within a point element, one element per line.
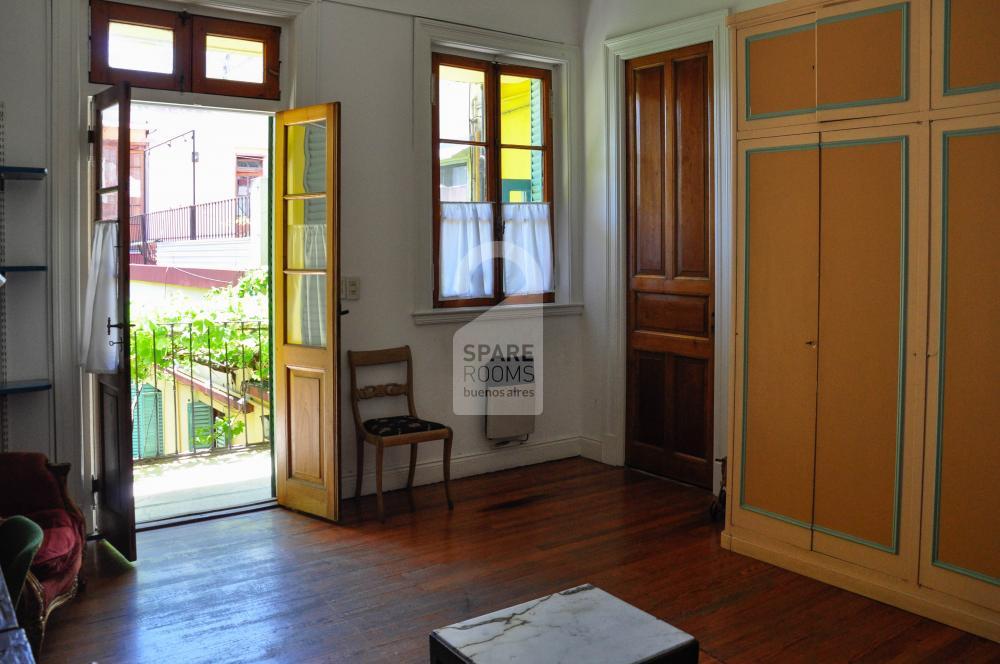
<point>576,626</point>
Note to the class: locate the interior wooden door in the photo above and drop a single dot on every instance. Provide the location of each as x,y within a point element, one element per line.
<point>777,336</point>
<point>306,330</point>
<point>872,340</point>
<point>670,265</point>
<point>960,547</point>
<point>115,500</point>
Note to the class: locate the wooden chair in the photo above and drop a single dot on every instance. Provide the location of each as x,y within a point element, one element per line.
<point>385,432</point>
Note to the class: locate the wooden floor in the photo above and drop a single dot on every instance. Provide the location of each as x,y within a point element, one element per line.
<point>276,586</point>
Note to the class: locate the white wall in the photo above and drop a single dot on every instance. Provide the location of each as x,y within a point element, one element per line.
<point>379,218</point>
<point>606,19</point>
<point>360,53</point>
<point>24,94</point>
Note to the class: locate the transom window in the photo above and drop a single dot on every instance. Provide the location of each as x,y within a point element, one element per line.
<point>492,151</point>
<point>165,50</point>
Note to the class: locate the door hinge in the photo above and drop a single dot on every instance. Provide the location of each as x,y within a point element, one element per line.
<point>90,136</point>
<point>95,484</point>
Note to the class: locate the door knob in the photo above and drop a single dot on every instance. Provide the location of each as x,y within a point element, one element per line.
<point>811,343</point>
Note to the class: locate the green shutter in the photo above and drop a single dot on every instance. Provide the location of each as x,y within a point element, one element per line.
<point>200,420</point>
<point>147,425</point>
<point>537,124</point>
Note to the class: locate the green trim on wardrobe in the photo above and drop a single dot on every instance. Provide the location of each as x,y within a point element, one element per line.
<point>942,332</point>
<point>746,328</point>
<point>947,89</point>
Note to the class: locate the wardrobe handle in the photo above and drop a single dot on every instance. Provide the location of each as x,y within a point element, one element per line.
<point>811,344</point>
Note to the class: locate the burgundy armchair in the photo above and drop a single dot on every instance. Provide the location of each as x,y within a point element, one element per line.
<point>33,487</point>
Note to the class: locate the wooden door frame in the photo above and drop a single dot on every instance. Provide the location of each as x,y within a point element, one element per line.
<point>90,386</point>
<point>712,28</point>
<point>71,422</point>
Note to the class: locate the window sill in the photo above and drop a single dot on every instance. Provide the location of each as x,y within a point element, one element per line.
<point>501,312</point>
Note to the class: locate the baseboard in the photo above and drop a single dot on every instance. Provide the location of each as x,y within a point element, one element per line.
<point>908,596</point>
<point>467,465</point>
<point>592,449</point>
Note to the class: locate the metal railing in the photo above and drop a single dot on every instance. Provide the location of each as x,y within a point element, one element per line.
<point>229,218</point>
<point>199,388</point>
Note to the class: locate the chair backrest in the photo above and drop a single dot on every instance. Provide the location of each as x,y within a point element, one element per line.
<point>371,358</point>
<point>20,539</point>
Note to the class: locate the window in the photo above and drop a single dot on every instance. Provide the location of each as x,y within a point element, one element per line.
<point>154,48</point>
<point>492,151</point>
<point>149,48</point>
<point>235,58</point>
<point>248,169</point>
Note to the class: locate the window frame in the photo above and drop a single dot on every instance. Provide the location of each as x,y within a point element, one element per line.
<point>269,35</point>
<point>491,104</point>
<point>103,13</point>
<point>189,51</point>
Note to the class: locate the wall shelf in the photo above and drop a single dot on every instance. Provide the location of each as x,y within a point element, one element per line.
<point>23,172</point>
<point>4,269</point>
<point>23,386</point>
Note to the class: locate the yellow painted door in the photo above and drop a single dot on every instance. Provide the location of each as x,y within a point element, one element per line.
<point>777,235</point>
<point>872,309</point>
<point>306,309</point>
<point>960,541</point>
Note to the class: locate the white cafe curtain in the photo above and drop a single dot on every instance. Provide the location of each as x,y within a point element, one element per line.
<point>527,248</point>
<point>97,355</point>
<point>466,250</point>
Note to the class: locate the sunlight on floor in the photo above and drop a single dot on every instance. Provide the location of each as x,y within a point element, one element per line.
<point>201,483</point>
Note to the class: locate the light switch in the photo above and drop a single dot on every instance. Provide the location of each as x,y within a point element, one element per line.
<point>350,288</point>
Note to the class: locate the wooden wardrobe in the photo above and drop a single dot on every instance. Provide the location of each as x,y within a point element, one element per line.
<point>866,426</point>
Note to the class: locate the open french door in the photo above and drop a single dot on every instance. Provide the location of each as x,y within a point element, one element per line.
<point>306,309</point>
<point>115,501</point>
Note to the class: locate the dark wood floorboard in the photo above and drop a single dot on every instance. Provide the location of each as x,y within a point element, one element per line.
<point>276,586</point>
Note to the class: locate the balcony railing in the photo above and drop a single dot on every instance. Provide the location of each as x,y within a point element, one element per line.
<point>225,219</point>
<point>199,388</point>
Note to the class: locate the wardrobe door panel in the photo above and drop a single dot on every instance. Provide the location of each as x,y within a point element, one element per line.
<point>865,393</point>
<point>966,68</point>
<point>962,546</point>
<point>866,59</point>
<point>779,228</point>
<point>777,65</point>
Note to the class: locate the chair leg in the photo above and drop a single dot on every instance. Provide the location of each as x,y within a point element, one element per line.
<point>413,466</point>
<point>361,467</point>
<point>447,470</point>
<point>378,481</point>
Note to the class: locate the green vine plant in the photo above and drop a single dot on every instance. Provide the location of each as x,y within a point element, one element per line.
<point>223,429</point>
<point>224,330</point>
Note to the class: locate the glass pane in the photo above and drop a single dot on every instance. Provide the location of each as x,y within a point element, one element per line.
<point>305,309</point>
<point>521,118</point>
<point>232,59</point>
<point>109,147</point>
<point>522,175</point>
<point>305,158</point>
<point>463,172</point>
<point>109,206</point>
<point>305,243</point>
<point>140,47</point>
<point>460,104</point>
